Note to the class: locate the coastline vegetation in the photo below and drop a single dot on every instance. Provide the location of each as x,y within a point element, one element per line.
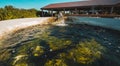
<point>10,12</point>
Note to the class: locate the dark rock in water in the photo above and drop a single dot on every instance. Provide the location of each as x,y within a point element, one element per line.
<point>109,43</point>
<point>119,47</point>
<point>30,36</point>
<point>13,51</point>
<point>51,50</point>
<point>81,34</point>
<point>117,51</point>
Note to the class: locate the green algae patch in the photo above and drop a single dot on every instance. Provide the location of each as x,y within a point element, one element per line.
<point>50,45</point>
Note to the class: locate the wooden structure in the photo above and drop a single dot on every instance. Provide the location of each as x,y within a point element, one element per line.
<point>90,7</point>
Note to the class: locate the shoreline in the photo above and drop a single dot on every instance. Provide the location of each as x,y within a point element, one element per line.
<point>27,30</point>
<point>7,26</point>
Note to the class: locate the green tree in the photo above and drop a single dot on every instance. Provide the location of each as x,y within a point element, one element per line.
<point>10,12</point>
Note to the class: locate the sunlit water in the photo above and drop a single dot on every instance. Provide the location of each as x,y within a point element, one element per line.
<point>103,22</point>
<point>62,23</point>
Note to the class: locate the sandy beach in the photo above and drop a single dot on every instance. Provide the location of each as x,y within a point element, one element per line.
<point>8,25</point>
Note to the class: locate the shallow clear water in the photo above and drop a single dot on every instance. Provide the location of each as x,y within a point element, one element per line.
<point>103,22</point>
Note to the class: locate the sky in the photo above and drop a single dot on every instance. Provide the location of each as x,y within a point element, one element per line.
<point>27,4</point>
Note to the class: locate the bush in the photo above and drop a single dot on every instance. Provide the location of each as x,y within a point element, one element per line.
<point>9,12</point>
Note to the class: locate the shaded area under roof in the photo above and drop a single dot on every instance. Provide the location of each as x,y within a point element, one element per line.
<point>82,3</point>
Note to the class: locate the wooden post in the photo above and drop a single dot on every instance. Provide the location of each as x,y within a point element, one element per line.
<point>42,13</point>
<point>79,11</point>
<point>52,12</point>
<point>93,9</point>
<point>112,8</point>
<point>70,12</point>
<point>64,10</point>
<point>48,11</point>
<point>76,11</point>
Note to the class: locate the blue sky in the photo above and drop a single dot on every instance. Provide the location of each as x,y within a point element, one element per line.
<point>27,4</point>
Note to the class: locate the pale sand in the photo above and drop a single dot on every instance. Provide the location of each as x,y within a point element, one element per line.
<point>9,25</point>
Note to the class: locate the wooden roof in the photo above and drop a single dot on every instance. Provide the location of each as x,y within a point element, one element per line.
<point>81,4</point>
